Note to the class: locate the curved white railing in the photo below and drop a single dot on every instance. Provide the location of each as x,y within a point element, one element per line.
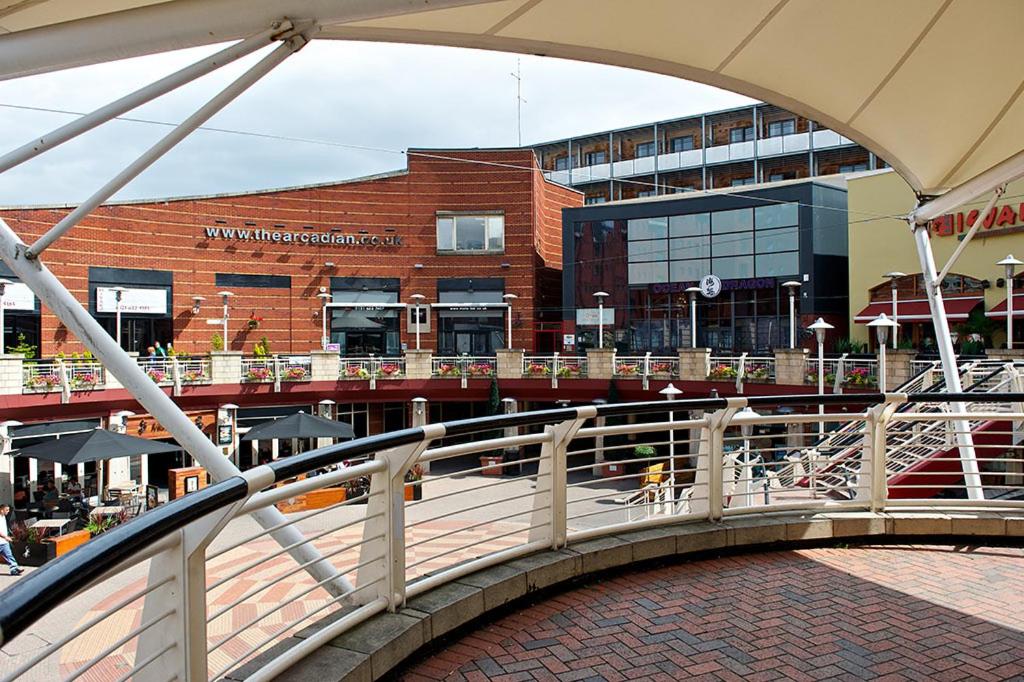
<point>438,502</point>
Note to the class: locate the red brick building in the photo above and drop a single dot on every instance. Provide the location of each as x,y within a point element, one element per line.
<point>371,242</point>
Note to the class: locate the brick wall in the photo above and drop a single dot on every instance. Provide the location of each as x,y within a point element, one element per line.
<point>171,235</point>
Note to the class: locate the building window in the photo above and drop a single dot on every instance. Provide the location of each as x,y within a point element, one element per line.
<point>742,134</point>
<point>595,158</point>
<point>595,199</point>
<point>680,190</point>
<point>853,167</point>
<point>683,143</point>
<point>779,128</point>
<point>562,163</point>
<point>739,182</point>
<point>644,149</point>
<point>646,193</point>
<point>471,233</point>
<point>777,177</point>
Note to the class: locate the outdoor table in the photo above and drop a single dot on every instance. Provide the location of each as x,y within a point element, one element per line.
<point>107,511</point>
<point>59,524</point>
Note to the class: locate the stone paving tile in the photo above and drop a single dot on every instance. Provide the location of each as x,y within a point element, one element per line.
<point>883,613</point>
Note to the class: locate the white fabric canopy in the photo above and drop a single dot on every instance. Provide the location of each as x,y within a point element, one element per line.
<point>931,86</point>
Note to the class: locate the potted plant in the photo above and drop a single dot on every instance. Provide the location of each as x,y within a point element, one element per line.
<point>625,369</point>
<point>569,371</point>
<point>86,380</point>
<point>259,374</point>
<point>448,369</point>
<point>722,373</point>
<point>661,368</point>
<point>254,320</point>
<point>538,369</point>
<point>491,464</point>
<point>157,375</point>
<point>860,376</point>
<point>413,483</point>
<point>42,382</point>
<point>758,373</point>
<point>356,372</point>
<point>389,370</point>
<point>294,373</point>
<point>192,376</point>
<point>28,546</point>
<point>480,369</point>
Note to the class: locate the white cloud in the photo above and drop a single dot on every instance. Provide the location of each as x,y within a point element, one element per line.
<point>387,97</point>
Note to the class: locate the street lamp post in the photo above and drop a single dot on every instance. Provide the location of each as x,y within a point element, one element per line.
<point>508,299</point>
<point>820,327</point>
<point>693,291</point>
<point>118,295</point>
<point>601,295</point>
<point>894,277</point>
<point>3,287</point>
<point>1009,264</point>
<point>224,296</point>
<point>671,393</point>
<point>792,285</point>
<point>417,306</point>
<point>882,324</point>
<point>325,298</point>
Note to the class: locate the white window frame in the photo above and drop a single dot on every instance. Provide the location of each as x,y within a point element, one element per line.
<point>454,218</point>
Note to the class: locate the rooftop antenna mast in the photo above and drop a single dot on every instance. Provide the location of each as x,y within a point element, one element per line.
<point>519,100</point>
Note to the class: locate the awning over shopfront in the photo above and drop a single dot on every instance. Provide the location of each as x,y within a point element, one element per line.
<point>999,311</point>
<point>957,310</point>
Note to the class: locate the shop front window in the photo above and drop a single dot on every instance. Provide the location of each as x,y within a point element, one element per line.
<point>471,317</point>
<point>365,316</point>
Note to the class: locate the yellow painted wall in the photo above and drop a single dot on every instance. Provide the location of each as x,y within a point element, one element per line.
<point>881,245</point>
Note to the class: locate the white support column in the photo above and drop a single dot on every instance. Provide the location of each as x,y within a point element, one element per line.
<point>964,437</point>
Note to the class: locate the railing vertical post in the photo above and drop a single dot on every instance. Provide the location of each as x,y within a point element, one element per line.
<point>374,364</point>
<point>176,375</point>
<point>713,454</point>
<point>647,369</point>
<point>382,552</point>
<point>875,447</point>
<point>65,380</point>
<point>741,370</point>
<point>464,371</point>
<point>554,370</point>
<point>275,362</point>
<point>549,520</point>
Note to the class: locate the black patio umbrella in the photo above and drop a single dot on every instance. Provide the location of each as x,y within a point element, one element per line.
<point>300,425</point>
<point>94,445</point>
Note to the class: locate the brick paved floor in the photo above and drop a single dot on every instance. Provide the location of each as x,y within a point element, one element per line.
<point>887,613</point>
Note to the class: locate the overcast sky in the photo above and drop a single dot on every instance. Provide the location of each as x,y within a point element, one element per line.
<point>385,97</point>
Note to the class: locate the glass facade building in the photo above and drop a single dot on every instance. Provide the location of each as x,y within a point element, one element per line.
<point>646,253</point>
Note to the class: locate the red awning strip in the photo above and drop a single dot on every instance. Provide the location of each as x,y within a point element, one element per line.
<point>957,309</point>
<point>999,311</point>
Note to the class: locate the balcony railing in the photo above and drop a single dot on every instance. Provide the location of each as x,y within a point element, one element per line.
<point>64,375</point>
<point>464,367</point>
<point>844,372</point>
<point>276,369</point>
<point>212,601</point>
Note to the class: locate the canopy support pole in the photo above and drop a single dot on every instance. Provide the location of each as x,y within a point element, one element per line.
<point>290,45</point>
<point>145,94</point>
<point>968,237</point>
<point>55,296</point>
<point>964,437</point>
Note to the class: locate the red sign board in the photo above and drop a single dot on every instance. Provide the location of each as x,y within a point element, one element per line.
<point>999,217</point>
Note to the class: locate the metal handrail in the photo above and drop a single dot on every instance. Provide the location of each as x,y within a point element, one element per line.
<point>42,591</point>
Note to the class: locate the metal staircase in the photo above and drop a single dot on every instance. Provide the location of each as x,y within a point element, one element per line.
<point>832,465</point>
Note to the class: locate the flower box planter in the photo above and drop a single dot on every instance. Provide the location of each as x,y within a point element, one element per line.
<point>491,465</point>
<point>67,542</point>
<point>33,553</point>
<point>537,371</point>
<point>318,499</point>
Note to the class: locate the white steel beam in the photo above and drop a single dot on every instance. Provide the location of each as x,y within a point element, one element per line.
<point>1000,174</point>
<point>967,238</point>
<point>167,26</point>
<point>964,437</point>
<point>203,114</point>
<point>139,97</point>
<point>77,319</point>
